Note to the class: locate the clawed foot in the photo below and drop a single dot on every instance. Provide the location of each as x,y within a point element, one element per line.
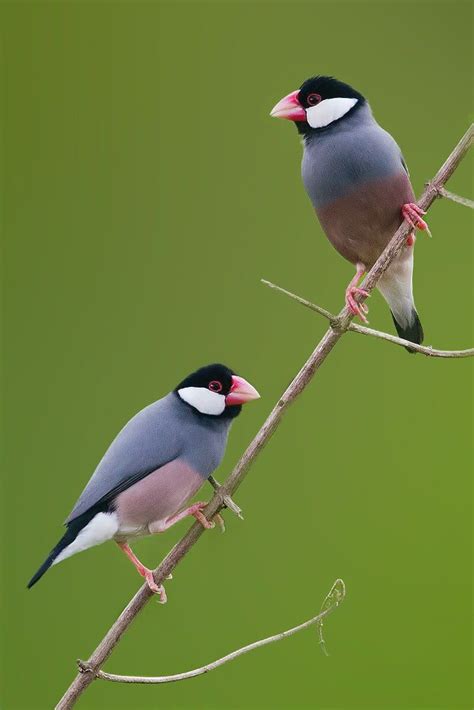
<point>144,572</point>
<point>413,215</point>
<point>196,511</point>
<point>358,309</point>
<point>220,521</point>
<point>154,587</point>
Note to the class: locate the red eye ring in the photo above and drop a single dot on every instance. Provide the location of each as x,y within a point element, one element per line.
<point>313,99</point>
<point>215,386</point>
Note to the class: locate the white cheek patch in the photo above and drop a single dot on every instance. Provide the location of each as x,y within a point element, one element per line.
<point>327,111</point>
<point>203,400</point>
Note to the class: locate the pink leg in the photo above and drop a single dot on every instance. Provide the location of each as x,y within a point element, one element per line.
<point>195,510</point>
<point>145,572</point>
<point>413,215</point>
<point>358,309</point>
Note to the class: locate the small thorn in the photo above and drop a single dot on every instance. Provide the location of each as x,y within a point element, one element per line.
<point>229,503</point>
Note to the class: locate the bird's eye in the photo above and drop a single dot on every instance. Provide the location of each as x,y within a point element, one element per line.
<point>215,386</point>
<point>313,99</point>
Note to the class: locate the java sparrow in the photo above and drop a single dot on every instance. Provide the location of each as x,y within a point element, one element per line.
<point>357,180</point>
<point>158,461</point>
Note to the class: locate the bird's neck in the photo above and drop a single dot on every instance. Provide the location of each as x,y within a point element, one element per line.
<point>359,116</point>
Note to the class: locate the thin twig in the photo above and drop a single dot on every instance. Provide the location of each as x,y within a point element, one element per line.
<point>424,349</point>
<point>301,380</point>
<point>363,330</point>
<point>456,198</point>
<point>312,306</point>
<point>332,601</point>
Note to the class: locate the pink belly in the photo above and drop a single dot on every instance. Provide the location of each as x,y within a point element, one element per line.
<point>361,224</point>
<point>157,496</point>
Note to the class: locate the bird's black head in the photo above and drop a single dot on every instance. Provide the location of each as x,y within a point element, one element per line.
<point>319,102</point>
<point>215,390</point>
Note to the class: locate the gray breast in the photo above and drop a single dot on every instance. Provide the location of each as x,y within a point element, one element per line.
<point>354,151</point>
<point>204,441</point>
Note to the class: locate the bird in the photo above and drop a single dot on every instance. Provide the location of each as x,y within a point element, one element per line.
<point>154,466</point>
<point>358,182</point>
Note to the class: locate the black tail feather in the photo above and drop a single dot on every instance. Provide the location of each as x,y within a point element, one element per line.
<point>73,530</point>
<point>68,537</point>
<point>412,332</point>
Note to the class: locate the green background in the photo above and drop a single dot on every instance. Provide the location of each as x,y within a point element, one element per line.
<point>146,191</point>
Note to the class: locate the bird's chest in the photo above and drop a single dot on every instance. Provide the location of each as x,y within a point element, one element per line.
<point>207,455</point>
<point>357,189</point>
<point>334,166</point>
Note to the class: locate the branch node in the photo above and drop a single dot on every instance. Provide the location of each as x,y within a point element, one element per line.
<point>224,498</point>
<point>85,667</point>
<point>433,187</point>
<point>340,324</point>
<point>337,325</point>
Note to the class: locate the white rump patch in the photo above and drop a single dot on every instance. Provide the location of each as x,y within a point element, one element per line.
<point>203,400</point>
<point>102,527</point>
<point>327,111</point>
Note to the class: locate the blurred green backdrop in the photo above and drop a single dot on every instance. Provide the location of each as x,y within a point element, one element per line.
<point>146,192</point>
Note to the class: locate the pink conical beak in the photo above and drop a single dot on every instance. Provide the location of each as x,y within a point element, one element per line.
<point>241,391</point>
<point>289,107</point>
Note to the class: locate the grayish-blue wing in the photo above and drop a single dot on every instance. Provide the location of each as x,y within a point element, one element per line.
<point>149,440</point>
<point>405,166</point>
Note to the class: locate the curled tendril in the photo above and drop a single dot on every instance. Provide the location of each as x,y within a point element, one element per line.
<point>334,597</point>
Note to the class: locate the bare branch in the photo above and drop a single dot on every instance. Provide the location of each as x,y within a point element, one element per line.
<point>299,383</point>
<point>355,328</point>
<point>333,599</point>
<point>456,198</point>
<point>312,306</point>
<point>424,349</point>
